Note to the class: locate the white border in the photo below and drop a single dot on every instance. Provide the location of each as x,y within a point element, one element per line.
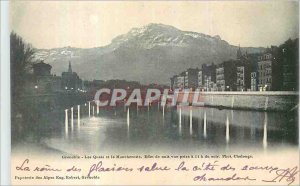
<point>5,96</point>
<point>5,109</point>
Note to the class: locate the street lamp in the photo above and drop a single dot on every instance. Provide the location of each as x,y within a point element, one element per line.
<point>36,87</point>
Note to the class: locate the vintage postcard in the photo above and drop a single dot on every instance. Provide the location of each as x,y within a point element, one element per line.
<point>154,92</point>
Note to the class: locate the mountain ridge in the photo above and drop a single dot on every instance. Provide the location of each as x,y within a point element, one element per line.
<point>149,54</point>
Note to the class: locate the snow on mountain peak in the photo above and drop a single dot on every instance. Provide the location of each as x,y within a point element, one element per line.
<point>154,34</point>
<point>43,54</point>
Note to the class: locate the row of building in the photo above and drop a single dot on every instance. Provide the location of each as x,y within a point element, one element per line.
<point>273,70</point>
<point>42,81</point>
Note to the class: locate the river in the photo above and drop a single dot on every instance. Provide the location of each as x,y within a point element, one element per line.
<point>174,130</point>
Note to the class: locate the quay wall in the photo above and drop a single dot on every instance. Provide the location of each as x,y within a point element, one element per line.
<point>263,101</point>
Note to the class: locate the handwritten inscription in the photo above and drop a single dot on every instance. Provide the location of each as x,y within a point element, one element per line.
<point>205,171</point>
<point>234,177</point>
<point>153,168</point>
<point>287,175</point>
<point>43,168</point>
<point>100,168</point>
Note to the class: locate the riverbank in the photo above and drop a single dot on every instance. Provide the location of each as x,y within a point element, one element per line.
<point>259,101</point>
<point>27,148</point>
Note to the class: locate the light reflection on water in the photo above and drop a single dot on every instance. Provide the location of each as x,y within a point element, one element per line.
<point>181,129</point>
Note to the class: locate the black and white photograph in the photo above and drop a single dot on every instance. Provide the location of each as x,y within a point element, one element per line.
<point>153,92</point>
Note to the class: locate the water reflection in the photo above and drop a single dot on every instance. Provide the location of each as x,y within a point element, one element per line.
<point>78,116</point>
<point>72,121</point>
<point>227,129</point>
<point>66,123</point>
<point>89,109</point>
<point>265,137</point>
<point>163,108</point>
<point>204,125</point>
<point>128,118</point>
<point>181,128</point>
<point>191,121</point>
<point>128,123</point>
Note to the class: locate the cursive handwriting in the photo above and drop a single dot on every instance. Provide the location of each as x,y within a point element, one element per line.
<point>23,167</point>
<point>99,168</point>
<point>47,168</point>
<point>182,167</point>
<point>270,169</point>
<point>74,169</point>
<point>154,167</point>
<point>288,175</point>
<point>234,177</point>
<point>208,171</point>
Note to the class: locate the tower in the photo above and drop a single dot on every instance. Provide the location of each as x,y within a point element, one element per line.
<point>239,53</point>
<point>70,67</point>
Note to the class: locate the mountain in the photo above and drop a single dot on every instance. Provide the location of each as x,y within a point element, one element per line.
<point>150,54</point>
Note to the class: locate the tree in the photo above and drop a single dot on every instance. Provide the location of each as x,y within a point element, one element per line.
<point>21,55</point>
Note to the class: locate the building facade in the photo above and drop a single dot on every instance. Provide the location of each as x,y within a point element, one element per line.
<point>220,78</point>
<point>41,69</point>
<point>70,80</point>
<point>209,77</point>
<point>289,54</point>
<point>290,77</point>
<point>243,70</point>
<point>240,78</point>
<point>254,81</point>
<point>43,81</point>
<point>227,76</point>
<point>180,81</point>
<point>200,80</point>
<point>264,71</point>
<point>191,78</point>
